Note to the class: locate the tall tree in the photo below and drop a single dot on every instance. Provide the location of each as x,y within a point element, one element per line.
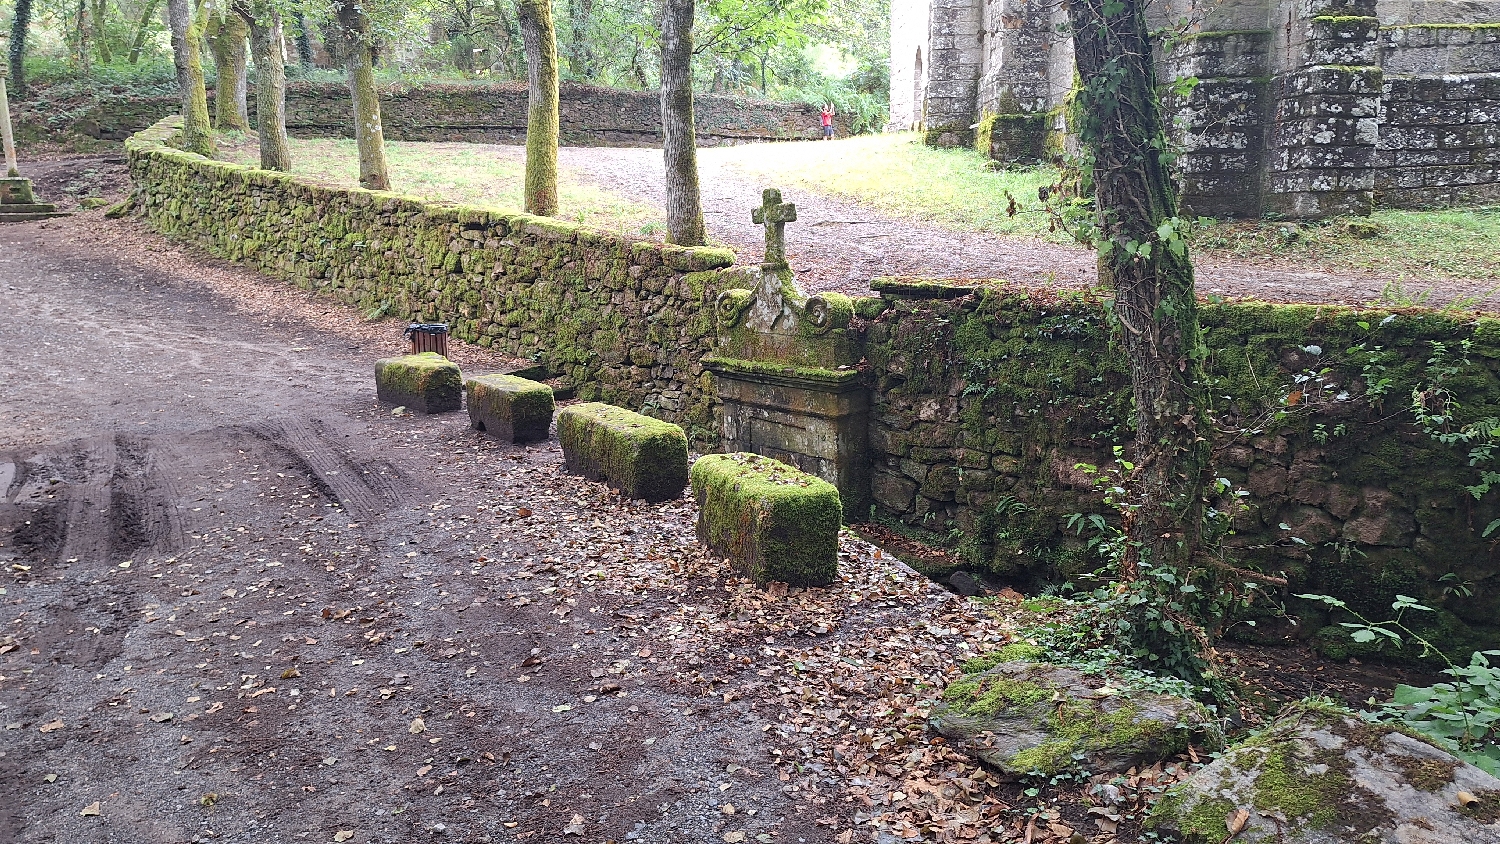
<point>1144,262</point>
<point>581,52</point>
<point>20,27</point>
<point>542,106</point>
<point>266,39</point>
<point>304,43</point>
<point>186,23</point>
<point>101,36</point>
<point>226,34</point>
<point>368,134</point>
<point>684,205</point>
<point>143,28</point>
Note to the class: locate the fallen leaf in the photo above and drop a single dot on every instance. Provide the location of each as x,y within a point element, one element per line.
<point>422,771</point>
<point>51,726</point>
<point>575,827</point>
<point>50,778</point>
<point>90,810</point>
<point>733,837</point>
<point>343,835</point>
<point>523,512</point>
<point>162,717</point>
<point>1236,821</point>
<point>418,726</point>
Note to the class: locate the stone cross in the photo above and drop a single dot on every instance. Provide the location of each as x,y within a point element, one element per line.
<point>774,215</point>
<point>6,137</point>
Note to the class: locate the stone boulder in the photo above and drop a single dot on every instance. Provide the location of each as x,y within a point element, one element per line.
<point>640,456</point>
<point>1320,775</point>
<point>1018,717</point>
<point>770,520</point>
<point>425,382</point>
<point>509,408</point>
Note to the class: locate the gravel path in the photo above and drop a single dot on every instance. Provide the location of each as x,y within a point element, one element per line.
<point>840,245</point>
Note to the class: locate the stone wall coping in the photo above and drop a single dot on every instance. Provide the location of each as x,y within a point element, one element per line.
<point>786,375</point>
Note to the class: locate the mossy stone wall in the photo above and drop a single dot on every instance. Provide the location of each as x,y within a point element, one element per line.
<point>984,404</point>
<point>627,322</point>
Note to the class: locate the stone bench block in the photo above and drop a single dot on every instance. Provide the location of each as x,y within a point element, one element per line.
<point>770,520</point>
<point>509,408</point>
<point>640,456</point>
<point>427,383</point>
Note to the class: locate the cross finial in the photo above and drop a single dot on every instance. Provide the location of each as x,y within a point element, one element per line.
<point>774,215</point>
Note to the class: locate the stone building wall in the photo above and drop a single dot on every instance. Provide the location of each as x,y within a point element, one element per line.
<point>627,322</point>
<point>496,113</point>
<point>985,400</point>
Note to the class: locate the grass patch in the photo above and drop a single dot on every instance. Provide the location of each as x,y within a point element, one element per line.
<point>900,175</point>
<point>453,172</point>
<point>1461,243</point>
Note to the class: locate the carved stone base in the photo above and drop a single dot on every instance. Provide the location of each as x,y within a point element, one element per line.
<point>814,419</point>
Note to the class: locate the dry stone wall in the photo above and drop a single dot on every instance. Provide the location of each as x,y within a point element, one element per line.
<point>496,113</point>
<point>626,321</point>
<point>985,400</point>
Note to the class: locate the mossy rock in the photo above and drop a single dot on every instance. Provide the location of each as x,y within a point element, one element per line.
<point>1025,717</point>
<point>772,521</point>
<point>426,382</point>
<point>640,456</point>
<point>1320,775</point>
<point>509,408</point>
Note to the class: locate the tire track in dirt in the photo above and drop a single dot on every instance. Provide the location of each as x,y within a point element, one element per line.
<point>361,488</point>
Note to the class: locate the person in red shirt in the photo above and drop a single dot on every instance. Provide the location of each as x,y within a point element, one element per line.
<point>827,115</point>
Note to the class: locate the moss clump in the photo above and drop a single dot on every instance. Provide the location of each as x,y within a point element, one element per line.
<point>990,696</point>
<point>640,456</point>
<point>426,382</point>
<point>772,521</point>
<point>1205,823</point>
<point>1080,727</point>
<point>1427,774</point>
<point>1015,652</point>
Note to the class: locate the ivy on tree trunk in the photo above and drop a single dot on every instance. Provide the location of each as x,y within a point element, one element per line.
<point>541,119</point>
<point>266,39</point>
<point>368,134</point>
<point>187,36</point>
<point>684,205</point>
<point>142,29</point>
<point>226,40</point>
<point>20,27</point>
<point>1143,261</point>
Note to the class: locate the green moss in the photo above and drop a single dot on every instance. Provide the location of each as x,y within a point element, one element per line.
<point>1015,652</point>
<point>1430,775</point>
<point>1205,823</point>
<point>1284,784</point>
<point>1082,727</point>
<point>768,518</point>
<point>426,382</point>
<point>807,373</point>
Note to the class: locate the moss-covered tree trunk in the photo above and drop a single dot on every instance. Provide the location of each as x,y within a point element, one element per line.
<point>20,27</point>
<point>101,36</point>
<point>143,29</point>
<point>368,134</point>
<point>1143,260</point>
<point>540,38</point>
<point>266,39</point>
<point>186,23</point>
<point>226,36</point>
<point>684,204</point>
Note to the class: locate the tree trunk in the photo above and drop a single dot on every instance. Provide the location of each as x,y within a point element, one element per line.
<point>81,38</point>
<point>226,40</point>
<point>1144,261</point>
<point>187,34</point>
<point>20,27</point>
<point>581,56</point>
<point>101,38</point>
<point>368,134</point>
<point>142,29</point>
<point>684,207</point>
<point>266,39</point>
<point>541,118</point>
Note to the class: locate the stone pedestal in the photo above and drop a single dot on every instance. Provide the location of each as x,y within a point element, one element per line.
<point>18,202</point>
<point>814,419</point>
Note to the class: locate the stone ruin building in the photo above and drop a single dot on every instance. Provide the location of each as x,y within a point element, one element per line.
<point>1304,108</point>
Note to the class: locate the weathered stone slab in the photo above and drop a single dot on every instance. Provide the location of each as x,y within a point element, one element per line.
<point>509,408</point>
<point>16,190</point>
<point>640,456</point>
<point>1322,776</point>
<point>770,520</point>
<point>1018,716</point>
<point>427,383</point>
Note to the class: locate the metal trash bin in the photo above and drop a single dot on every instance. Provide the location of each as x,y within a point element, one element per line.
<point>428,337</point>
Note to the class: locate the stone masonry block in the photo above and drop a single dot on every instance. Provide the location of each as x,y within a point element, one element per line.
<point>509,408</point>
<point>770,520</point>
<point>640,456</point>
<point>427,383</point>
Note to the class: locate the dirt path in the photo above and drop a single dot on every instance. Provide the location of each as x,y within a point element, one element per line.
<point>839,245</point>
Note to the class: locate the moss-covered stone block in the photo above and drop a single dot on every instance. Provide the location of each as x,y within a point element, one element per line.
<point>509,408</point>
<point>427,383</point>
<point>772,521</point>
<point>640,456</point>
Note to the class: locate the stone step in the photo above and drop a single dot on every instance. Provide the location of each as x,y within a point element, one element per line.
<point>28,208</point>
<point>7,217</point>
